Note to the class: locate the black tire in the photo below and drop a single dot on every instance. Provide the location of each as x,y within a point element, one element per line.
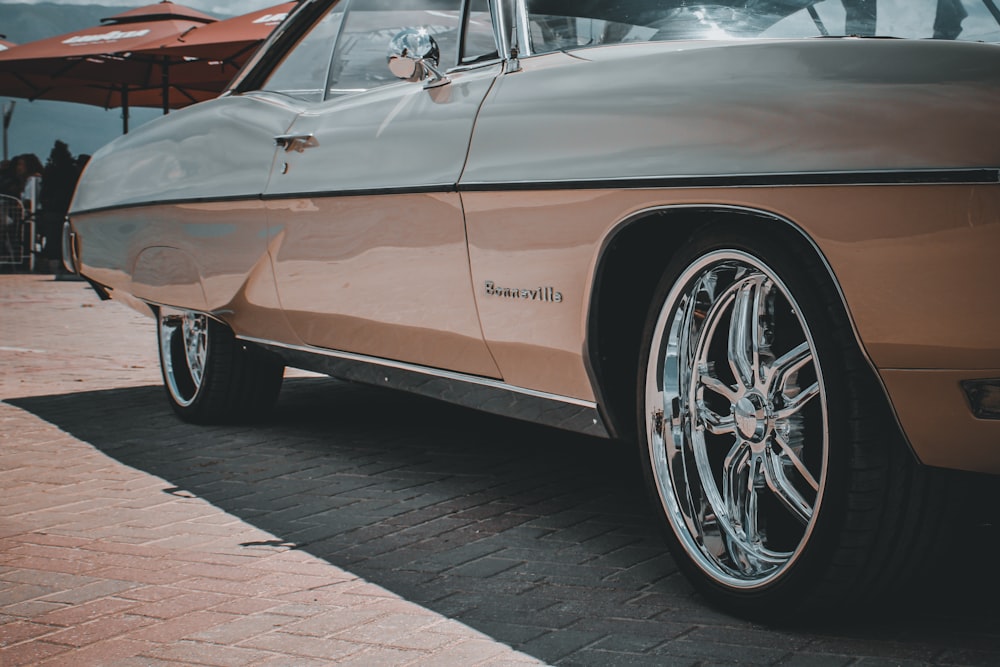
<point>767,445</point>
<point>211,377</point>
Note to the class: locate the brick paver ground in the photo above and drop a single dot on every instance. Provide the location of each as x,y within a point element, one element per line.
<point>359,526</point>
<point>103,563</point>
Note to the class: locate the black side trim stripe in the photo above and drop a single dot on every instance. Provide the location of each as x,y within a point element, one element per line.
<point>471,391</point>
<point>414,190</point>
<point>364,192</point>
<point>912,177</point>
<point>167,202</point>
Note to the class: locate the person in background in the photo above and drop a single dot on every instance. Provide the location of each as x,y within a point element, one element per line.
<point>59,176</point>
<point>28,172</point>
<point>8,180</point>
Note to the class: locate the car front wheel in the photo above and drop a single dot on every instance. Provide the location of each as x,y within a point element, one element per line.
<point>209,375</point>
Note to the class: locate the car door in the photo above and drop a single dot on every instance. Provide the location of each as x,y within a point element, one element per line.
<point>367,233</point>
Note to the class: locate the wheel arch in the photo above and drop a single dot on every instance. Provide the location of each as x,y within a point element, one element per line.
<point>630,263</point>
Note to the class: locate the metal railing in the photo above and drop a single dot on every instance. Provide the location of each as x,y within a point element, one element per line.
<point>16,234</point>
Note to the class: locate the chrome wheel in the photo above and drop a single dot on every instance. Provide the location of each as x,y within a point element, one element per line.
<point>210,376</point>
<point>183,351</point>
<point>736,420</point>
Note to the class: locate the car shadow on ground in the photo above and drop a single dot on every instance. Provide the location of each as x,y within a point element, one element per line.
<point>539,538</point>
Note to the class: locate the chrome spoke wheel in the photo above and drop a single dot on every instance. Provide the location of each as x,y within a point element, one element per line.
<point>184,351</point>
<point>736,419</point>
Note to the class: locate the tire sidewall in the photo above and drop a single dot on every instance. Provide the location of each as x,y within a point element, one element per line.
<point>791,590</point>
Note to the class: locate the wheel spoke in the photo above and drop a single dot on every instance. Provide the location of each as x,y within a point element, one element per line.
<point>783,489</point>
<point>716,385</point>
<point>745,543</point>
<point>747,344</point>
<point>793,405</point>
<point>741,329</point>
<point>792,457</point>
<point>786,366</point>
<point>714,423</point>
<point>734,482</point>
<point>194,345</point>
<point>750,504</point>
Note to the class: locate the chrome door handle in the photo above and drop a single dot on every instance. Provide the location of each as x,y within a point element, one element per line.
<point>295,142</point>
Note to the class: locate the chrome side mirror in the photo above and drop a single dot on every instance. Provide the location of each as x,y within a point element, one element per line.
<point>414,56</point>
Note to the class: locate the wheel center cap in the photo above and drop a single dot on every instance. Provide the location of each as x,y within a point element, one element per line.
<point>750,414</point>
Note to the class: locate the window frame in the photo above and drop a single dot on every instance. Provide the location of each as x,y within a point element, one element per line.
<point>305,17</point>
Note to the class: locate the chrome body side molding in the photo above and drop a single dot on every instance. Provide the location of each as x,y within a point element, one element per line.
<point>470,391</point>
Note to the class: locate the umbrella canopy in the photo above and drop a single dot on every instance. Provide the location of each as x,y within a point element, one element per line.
<point>4,44</point>
<point>102,64</point>
<point>226,45</point>
<point>107,95</point>
<point>232,41</point>
<point>103,53</point>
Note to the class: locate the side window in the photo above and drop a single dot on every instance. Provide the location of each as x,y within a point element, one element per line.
<point>480,43</point>
<point>360,59</point>
<point>303,72</point>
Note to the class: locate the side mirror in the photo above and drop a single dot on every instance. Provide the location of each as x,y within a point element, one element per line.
<point>414,56</point>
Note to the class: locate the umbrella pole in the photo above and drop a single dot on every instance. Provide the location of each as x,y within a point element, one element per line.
<point>166,85</point>
<point>8,111</point>
<point>124,108</point>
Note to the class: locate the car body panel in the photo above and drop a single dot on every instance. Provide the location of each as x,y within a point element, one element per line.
<point>218,150</point>
<point>922,301</point>
<point>382,274</point>
<point>895,250</point>
<point>188,186</point>
<point>934,412</point>
<point>393,286</point>
<point>456,232</point>
<point>209,256</point>
<point>698,109</point>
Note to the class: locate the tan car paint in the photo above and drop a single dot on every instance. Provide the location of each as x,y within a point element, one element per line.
<point>936,418</point>
<point>385,276</point>
<point>914,262</point>
<point>375,274</point>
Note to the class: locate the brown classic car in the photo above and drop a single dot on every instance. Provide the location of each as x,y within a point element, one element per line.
<point>759,238</point>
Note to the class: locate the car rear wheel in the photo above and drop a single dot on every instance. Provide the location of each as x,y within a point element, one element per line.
<point>765,443</point>
<point>209,375</point>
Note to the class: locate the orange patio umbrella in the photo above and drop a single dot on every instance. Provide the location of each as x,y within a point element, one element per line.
<point>230,42</point>
<point>102,64</point>
<point>105,95</point>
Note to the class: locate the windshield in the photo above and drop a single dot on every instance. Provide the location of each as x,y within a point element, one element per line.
<point>557,25</point>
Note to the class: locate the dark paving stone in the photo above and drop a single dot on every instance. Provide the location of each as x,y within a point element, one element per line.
<point>539,538</point>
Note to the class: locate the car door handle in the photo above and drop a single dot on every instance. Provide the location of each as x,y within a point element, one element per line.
<point>295,142</point>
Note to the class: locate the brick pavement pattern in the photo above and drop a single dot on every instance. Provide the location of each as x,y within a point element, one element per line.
<point>101,563</point>
<point>358,526</point>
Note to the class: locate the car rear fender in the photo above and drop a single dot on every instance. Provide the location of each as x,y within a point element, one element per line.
<point>168,276</point>
<point>631,262</point>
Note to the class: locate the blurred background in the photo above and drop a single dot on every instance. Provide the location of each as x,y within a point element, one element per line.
<point>46,143</point>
